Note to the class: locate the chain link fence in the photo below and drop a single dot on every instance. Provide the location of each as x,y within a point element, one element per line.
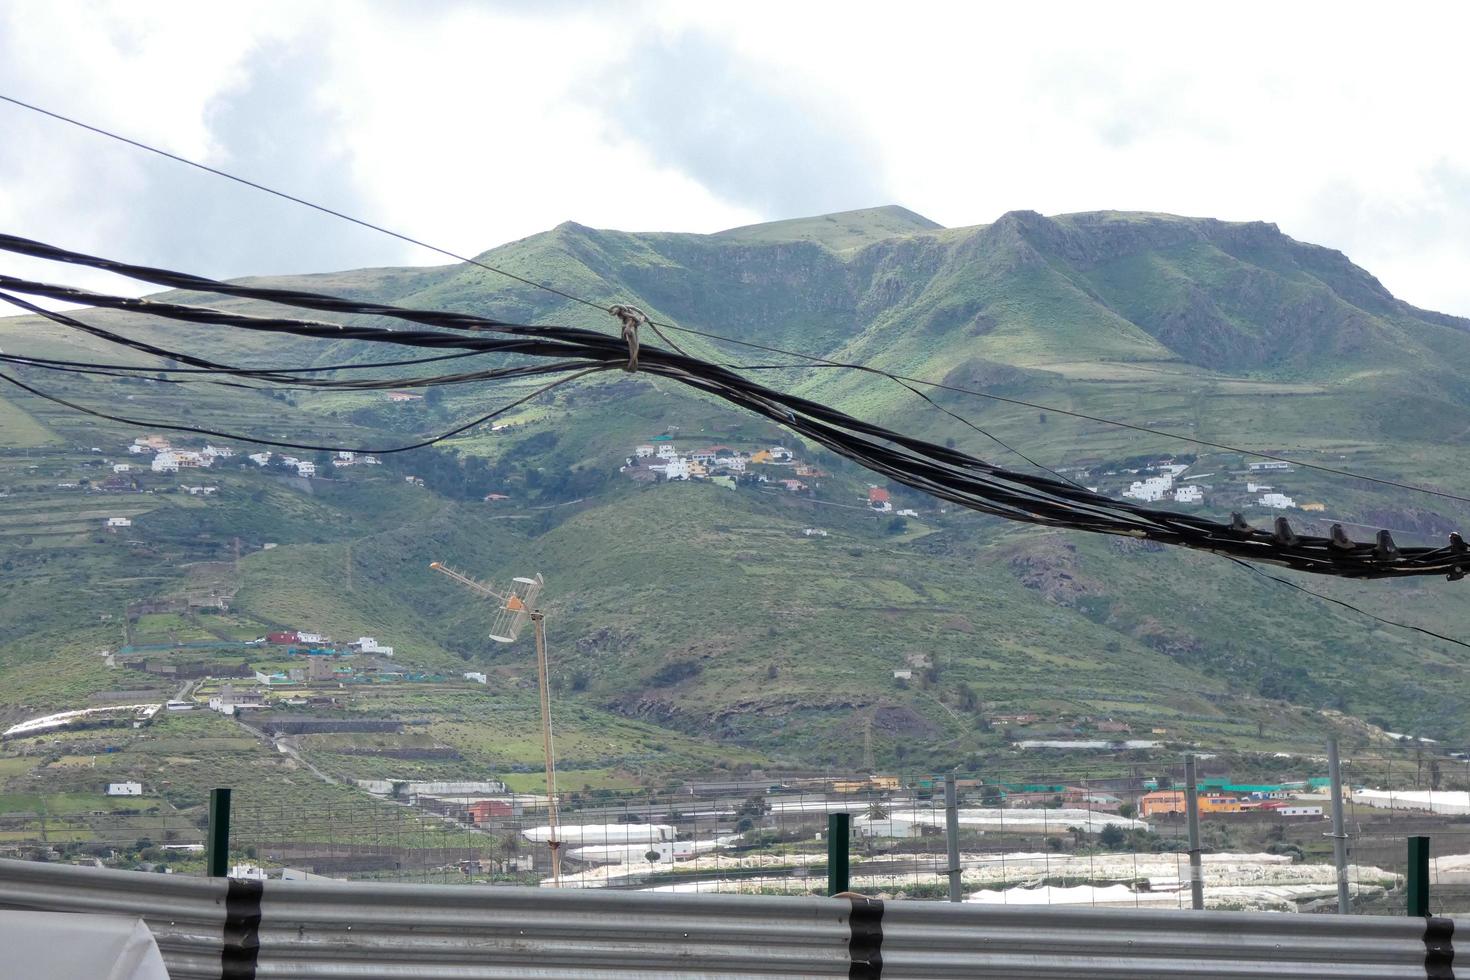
<point>1030,836</point>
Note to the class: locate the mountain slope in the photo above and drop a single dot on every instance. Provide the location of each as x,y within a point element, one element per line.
<point>708,611</point>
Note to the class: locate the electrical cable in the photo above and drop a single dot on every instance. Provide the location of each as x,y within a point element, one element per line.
<point>659,326</point>
<point>1345,604</point>
<point>945,473</point>
<point>825,362</point>
<point>296,200</point>
<point>198,430</point>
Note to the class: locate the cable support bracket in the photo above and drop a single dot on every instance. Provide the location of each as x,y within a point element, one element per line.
<point>631,318</point>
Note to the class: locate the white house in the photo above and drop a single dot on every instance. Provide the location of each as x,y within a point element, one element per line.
<point>346,455</point>
<point>703,456</point>
<point>735,464</point>
<point>305,468</point>
<point>903,674</point>
<point>644,451</point>
<point>200,491</point>
<point>676,469</point>
<point>476,676</point>
<point>124,789</point>
<point>1257,487</point>
<point>1270,466</point>
<point>120,467</point>
<point>305,637</point>
<point>814,532</point>
<point>260,459</point>
<point>1189,495</point>
<point>908,512</point>
<point>780,454</point>
<point>165,462</point>
<point>667,451</point>
<point>119,522</point>
<point>367,644</point>
<point>222,452</point>
<point>1278,501</point>
<point>1151,489</point>
<point>136,449</point>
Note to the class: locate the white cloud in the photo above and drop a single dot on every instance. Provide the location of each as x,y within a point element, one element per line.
<point>469,125</point>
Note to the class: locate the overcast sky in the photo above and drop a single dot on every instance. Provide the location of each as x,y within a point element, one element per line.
<point>471,124</point>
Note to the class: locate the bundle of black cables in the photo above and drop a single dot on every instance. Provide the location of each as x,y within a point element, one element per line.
<point>942,472</point>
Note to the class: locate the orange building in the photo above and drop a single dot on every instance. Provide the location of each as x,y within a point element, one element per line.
<point>1219,804</point>
<point>1161,801</point>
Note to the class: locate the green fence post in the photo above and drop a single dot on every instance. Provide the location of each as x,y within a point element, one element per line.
<point>838,830</point>
<point>217,846</point>
<point>1418,885</point>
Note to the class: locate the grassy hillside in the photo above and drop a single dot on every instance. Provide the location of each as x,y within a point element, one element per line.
<point>703,619</point>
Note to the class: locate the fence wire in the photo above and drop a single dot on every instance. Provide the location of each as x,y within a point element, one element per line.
<point>1094,838</point>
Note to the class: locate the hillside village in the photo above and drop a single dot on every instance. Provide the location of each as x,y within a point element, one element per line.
<point>1172,482</point>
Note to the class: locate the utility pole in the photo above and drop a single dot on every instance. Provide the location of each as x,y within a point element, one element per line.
<point>349,566</point>
<point>1339,837</point>
<point>952,836</point>
<point>1191,804</point>
<point>868,743</point>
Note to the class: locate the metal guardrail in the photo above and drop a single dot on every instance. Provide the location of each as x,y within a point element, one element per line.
<point>233,930</point>
<point>931,939</point>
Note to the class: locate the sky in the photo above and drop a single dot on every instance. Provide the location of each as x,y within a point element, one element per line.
<point>472,124</point>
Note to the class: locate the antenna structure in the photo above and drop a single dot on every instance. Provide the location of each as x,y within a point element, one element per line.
<point>517,606</point>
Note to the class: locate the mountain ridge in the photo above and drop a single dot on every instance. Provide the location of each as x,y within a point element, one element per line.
<point>672,602</point>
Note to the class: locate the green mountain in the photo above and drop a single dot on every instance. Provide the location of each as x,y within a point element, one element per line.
<point>692,623</point>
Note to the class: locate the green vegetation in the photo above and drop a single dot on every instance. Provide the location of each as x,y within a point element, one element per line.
<point>696,628</point>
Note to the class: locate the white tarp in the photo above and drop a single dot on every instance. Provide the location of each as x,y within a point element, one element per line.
<point>60,945</point>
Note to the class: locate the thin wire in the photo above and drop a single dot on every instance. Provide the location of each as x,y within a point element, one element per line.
<point>297,200</point>
<point>656,324</point>
<point>157,369</point>
<point>297,445</point>
<point>1348,605</point>
<point>825,362</point>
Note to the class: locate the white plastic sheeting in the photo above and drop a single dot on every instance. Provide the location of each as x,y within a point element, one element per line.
<point>40,945</point>
<point>1448,801</point>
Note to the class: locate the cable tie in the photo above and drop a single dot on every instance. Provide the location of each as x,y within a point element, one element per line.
<point>632,318</point>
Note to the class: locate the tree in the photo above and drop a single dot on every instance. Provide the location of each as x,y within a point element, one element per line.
<point>896,526</point>
<point>1112,837</point>
<point>1127,810</point>
<point>877,811</point>
<point>966,698</point>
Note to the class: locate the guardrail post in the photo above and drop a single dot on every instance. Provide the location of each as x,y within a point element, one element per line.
<point>1191,808</point>
<point>217,843</point>
<point>1418,884</point>
<point>952,837</point>
<point>838,832</point>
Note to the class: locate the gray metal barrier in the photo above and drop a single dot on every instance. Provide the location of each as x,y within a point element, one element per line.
<point>234,930</point>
